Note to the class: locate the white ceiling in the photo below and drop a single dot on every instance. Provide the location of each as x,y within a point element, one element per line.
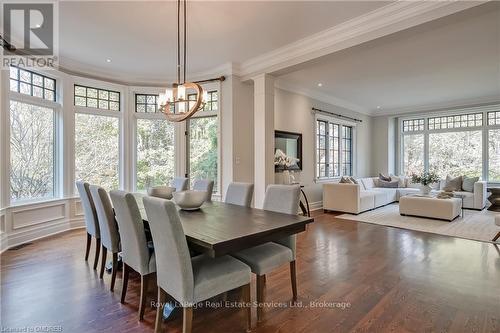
<point>451,61</point>
<point>140,37</point>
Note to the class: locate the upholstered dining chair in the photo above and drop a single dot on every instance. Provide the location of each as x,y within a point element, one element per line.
<point>91,223</point>
<point>110,239</point>
<point>239,194</point>
<point>266,257</point>
<point>189,280</point>
<point>180,183</point>
<point>205,185</point>
<point>136,254</point>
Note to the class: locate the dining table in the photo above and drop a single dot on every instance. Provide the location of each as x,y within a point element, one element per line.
<point>219,228</point>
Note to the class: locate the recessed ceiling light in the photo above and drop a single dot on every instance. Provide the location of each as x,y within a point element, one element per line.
<point>108,60</point>
<point>320,84</point>
<point>38,25</point>
<point>379,107</point>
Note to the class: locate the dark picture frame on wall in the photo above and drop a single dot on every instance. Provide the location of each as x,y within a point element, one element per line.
<point>291,144</point>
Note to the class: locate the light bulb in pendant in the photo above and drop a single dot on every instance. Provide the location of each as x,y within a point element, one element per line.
<point>181,92</point>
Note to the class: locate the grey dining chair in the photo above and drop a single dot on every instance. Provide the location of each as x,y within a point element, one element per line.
<point>239,194</point>
<point>180,183</point>
<point>91,223</point>
<point>205,185</point>
<point>110,238</point>
<point>266,257</point>
<point>189,280</point>
<point>136,254</point>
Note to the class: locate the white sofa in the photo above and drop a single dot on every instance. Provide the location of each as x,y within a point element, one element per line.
<point>358,198</point>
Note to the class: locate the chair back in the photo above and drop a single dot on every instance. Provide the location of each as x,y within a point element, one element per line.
<point>205,185</point>
<point>180,184</point>
<point>135,252</point>
<point>89,211</point>
<point>173,261</point>
<point>106,217</point>
<point>239,194</point>
<point>284,199</point>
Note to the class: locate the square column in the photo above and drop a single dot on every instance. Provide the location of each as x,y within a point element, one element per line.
<point>263,136</point>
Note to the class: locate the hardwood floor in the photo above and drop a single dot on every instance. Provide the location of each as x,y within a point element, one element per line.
<point>389,280</point>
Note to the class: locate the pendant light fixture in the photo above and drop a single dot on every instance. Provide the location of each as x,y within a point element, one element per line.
<point>175,102</point>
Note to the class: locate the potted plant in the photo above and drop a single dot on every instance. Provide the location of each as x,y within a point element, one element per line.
<point>425,179</point>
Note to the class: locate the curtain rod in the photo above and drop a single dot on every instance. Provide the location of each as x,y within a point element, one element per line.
<point>338,115</point>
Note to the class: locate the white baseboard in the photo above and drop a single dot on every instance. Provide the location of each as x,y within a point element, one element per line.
<point>318,205</point>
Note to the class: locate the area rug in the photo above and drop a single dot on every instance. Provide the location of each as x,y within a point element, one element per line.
<point>475,225</point>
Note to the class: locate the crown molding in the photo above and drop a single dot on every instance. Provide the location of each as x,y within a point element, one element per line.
<point>386,20</point>
<point>322,97</point>
<point>461,103</point>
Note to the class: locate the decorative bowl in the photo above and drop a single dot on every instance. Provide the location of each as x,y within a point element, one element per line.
<point>189,200</point>
<point>164,192</point>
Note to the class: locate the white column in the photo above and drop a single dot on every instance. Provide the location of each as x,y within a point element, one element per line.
<point>263,135</point>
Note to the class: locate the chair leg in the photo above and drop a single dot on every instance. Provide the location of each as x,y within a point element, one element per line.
<point>261,280</point>
<point>126,271</point>
<point>97,250</point>
<point>103,261</point>
<point>144,291</point>
<point>293,277</point>
<point>113,273</point>
<point>496,237</point>
<point>245,295</point>
<point>162,298</point>
<point>87,250</point>
<point>187,319</point>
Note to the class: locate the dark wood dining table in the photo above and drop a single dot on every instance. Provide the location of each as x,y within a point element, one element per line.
<point>218,228</point>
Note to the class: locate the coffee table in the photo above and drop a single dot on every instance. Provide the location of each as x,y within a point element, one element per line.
<point>494,198</point>
<point>430,207</point>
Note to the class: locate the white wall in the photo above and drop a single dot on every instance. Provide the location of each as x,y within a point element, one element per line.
<point>293,113</point>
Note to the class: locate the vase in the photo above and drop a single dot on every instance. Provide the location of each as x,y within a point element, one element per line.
<point>286,177</point>
<point>425,189</point>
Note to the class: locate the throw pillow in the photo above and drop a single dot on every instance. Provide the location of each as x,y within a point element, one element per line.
<point>391,184</point>
<point>383,177</point>
<point>468,183</point>
<point>345,180</point>
<point>401,180</point>
<point>453,184</point>
<point>354,181</point>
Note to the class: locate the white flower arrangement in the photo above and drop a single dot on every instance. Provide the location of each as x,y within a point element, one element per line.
<point>284,161</point>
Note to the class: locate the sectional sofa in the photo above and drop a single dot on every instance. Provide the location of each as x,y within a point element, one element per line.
<point>366,195</point>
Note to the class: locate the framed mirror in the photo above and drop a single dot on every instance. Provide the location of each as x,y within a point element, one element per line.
<point>291,145</point>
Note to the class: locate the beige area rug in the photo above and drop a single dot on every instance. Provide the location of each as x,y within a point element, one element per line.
<point>475,225</point>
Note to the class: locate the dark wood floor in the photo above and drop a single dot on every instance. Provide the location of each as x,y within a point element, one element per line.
<point>393,280</point>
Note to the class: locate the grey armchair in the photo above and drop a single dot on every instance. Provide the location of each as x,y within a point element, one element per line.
<point>91,223</point>
<point>110,239</point>
<point>135,252</point>
<point>239,194</point>
<point>189,280</point>
<point>266,257</point>
<point>180,183</point>
<point>205,185</point>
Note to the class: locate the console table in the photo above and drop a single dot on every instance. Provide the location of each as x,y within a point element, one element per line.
<point>494,198</point>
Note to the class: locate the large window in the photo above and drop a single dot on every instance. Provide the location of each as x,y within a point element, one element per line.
<point>32,162</point>
<point>494,154</point>
<point>459,143</point>
<point>155,153</point>
<point>203,149</point>
<point>455,153</point>
<point>146,103</point>
<point>413,154</point>
<point>334,149</point>
<point>97,150</point>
